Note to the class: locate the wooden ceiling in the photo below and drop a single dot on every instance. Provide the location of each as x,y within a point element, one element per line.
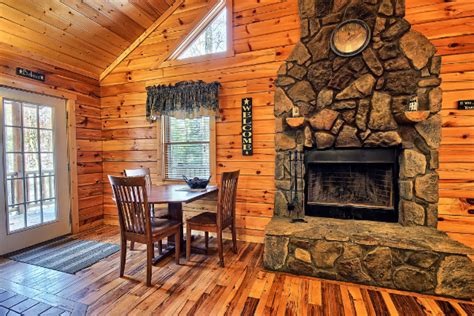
<point>84,36</point>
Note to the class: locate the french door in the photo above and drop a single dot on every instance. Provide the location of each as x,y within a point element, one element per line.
<point>34,186</point>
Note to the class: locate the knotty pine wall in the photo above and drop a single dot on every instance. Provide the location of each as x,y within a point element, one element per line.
<point>264,34</point>
<point>88,128</point>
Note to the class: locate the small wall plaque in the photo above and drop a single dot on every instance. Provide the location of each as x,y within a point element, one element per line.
<point>413,104</point>
<point>247,127</point>
<point>30,74</point>
<point>466,105</point>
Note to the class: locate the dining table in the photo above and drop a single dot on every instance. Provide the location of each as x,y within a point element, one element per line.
<point>175,195</point>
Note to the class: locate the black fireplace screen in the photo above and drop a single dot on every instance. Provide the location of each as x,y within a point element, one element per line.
<point>356,185</point>
<point>352,184</point>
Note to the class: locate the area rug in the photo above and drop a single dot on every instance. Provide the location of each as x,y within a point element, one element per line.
<point>65,254</point>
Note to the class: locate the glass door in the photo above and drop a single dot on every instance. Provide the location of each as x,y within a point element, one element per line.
<point>35,182</point>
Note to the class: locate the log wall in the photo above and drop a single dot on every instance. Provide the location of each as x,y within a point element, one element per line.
<point>264,34</point>
<point>88,128</point>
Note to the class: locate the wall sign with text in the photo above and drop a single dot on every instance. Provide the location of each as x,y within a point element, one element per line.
<point>247,128</point>
<point>30,74</point>
<point>466,105</point>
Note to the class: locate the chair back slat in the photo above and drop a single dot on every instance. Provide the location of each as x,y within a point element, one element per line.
<point>131,199</point>
<point>140,172</point>
<point>227,197</point>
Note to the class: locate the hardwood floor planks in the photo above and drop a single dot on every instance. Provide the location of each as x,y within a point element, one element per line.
<point>201,287</point>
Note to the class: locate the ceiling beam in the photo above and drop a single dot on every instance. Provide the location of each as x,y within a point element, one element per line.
<point>142,37</point>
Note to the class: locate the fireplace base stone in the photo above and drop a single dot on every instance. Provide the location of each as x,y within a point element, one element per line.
<point>417,259</point>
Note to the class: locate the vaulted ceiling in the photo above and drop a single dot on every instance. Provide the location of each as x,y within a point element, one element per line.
<point>84,36</point>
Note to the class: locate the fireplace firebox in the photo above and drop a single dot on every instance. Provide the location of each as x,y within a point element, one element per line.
<point>352,184</point>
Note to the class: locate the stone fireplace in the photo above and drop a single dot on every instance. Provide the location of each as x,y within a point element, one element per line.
<point>370,182</point>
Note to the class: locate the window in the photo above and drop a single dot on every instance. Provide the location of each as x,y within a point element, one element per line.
<point>209,37</point>
<point>186,148</point>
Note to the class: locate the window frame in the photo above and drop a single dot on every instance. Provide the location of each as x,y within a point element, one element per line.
<point>189,39</point>
<point>161,126</point>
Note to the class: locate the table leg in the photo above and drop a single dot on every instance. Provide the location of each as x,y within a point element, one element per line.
<point>175,211</point>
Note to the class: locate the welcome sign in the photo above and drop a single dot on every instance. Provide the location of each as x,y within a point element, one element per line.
<point>247,128</point>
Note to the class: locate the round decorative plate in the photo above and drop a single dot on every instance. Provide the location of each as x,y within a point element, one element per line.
<point>350,38</point>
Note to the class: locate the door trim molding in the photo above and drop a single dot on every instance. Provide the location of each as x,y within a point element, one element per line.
<point>15,83</point>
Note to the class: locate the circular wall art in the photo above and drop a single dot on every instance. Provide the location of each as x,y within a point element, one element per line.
<point>350,38</point>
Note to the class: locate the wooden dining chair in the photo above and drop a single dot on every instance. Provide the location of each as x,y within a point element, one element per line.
<point>217,222</point>
<point>145,172</point>
<point>136,222</point>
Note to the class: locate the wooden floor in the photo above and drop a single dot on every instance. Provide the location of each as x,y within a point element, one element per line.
<point>201,287</point>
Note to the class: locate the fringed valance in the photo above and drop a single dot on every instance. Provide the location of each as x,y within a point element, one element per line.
<point>188,99</point>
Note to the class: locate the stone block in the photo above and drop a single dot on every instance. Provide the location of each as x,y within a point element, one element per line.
<point>430,131</point>
<point>351,270</point>
<point>413,279</point>
<point>324,140</point>
<point>381,117</point>
<point>275,252</point>
<point>406,189</point>
<point>325,253</point>
<point>361,117</point>
<point>372,61</point>
<point>303,255</point>
<point>426,187</point>
<point>319,74</point>
<point>456,277</point>
<point>360,88</point>
<point>412,163</point>
<point>424,259</point>
<point>378,263</point>
<point>284,142</point>
<point>417,48</point>
<point>412,214</point>
<point>348,137</point>
<point>282,103</point>
<point>323,120</point>
<point>324,98</point>
<point>300,54</point>
<point>383,139</point>
<point>302,91</point>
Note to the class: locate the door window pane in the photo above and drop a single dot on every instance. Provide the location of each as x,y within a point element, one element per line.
<point>31,164</point>
<point>46,137</point>
<point>47,163</point>
<point>14,166</point>
<point>33,214</point>
<point>49,211</point>
<point>15,192</point>
<point>12,113</point>
<point>47,188</point>
<point>33,189</point>
<point>30,115</point>
<point>13,139</point>
<point>31,140</point>
<point>16,217</point>
<point>45,117</point>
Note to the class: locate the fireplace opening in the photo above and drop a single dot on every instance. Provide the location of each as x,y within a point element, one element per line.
<point>352,184</point>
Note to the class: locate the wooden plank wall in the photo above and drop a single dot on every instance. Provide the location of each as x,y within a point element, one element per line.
<point>264,34</point>
<point>88,128</point>
<point>450,27</point>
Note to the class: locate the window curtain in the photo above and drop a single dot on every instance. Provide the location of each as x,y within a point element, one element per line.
<point>188,99</point>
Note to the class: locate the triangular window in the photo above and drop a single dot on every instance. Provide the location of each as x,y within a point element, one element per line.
<point>209,37</point>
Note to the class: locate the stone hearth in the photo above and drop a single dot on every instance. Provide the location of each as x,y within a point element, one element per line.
<point>418,259</point>
<point>327,102</point>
